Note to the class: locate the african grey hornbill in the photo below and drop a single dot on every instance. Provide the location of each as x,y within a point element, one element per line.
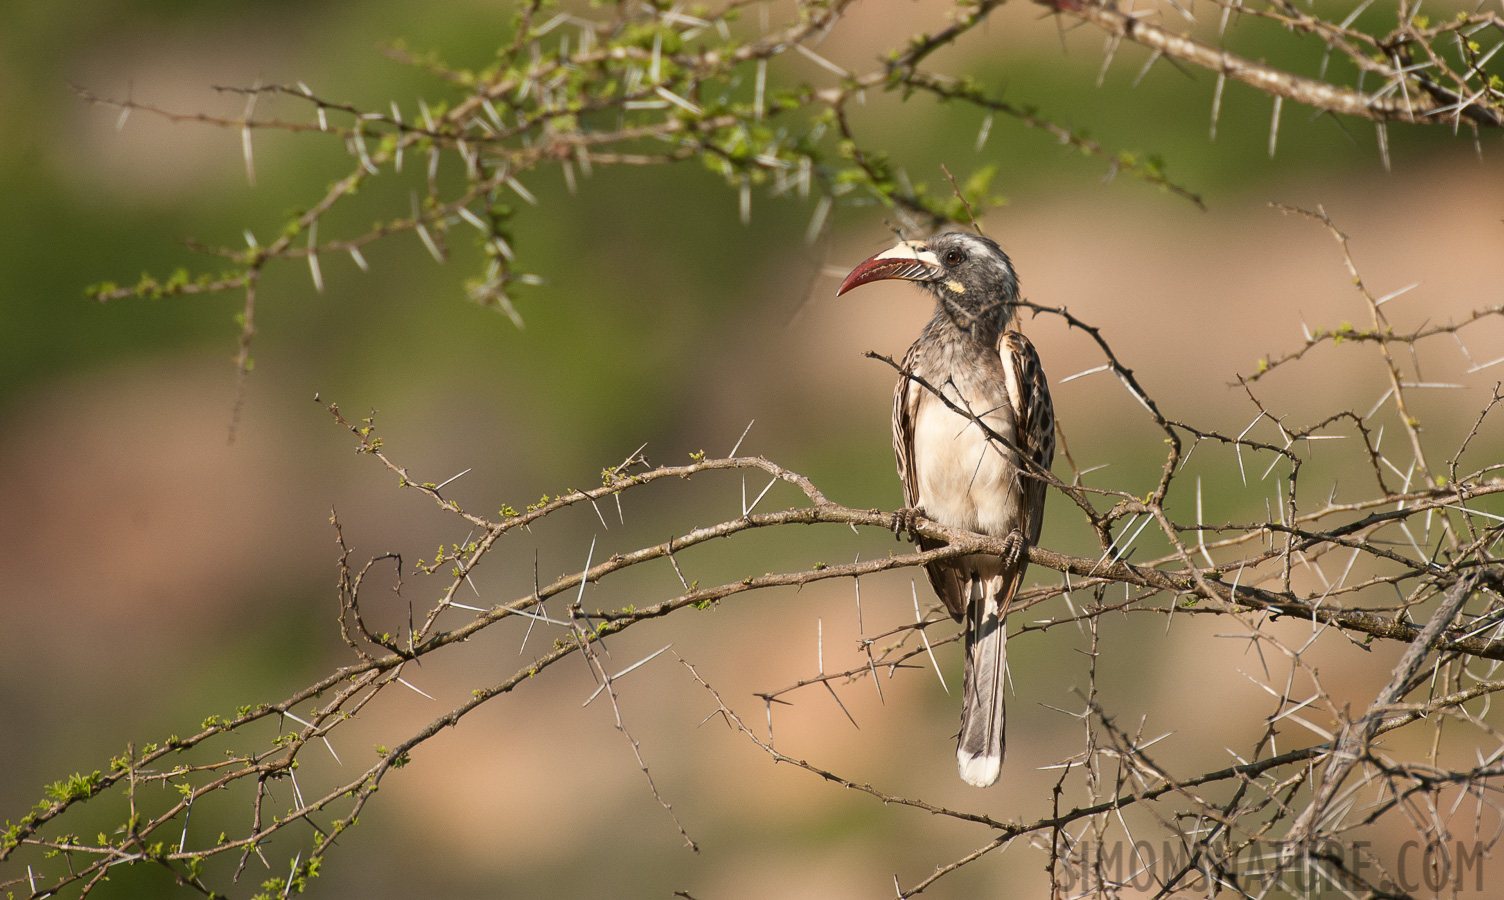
<point>959,457</point>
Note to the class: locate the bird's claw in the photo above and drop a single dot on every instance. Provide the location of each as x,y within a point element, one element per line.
<point>906,521</point>
<point>1013,548</point>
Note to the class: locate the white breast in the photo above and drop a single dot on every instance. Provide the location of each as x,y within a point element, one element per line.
<point>964,479</point>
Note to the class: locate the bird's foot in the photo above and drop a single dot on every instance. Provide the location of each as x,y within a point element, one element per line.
<point>1013,548</point>
<point>906,521</point>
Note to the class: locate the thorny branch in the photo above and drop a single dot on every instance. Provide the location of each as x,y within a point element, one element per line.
<point>573,93</point>
<point>646,85</point>
<point>1444,91</point>
<point>1263,817</point>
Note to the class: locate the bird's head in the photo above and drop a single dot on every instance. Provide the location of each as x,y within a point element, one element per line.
<point>970,276</point>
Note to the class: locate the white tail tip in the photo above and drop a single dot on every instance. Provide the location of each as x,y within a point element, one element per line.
<point>981,771</point>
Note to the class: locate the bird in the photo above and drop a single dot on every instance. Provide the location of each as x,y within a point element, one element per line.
<point>973,429</point>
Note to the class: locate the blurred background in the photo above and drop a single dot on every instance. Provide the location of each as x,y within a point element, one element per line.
<point>152,572</point>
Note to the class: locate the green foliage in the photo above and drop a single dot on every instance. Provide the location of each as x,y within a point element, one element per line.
<point>75,787</point>
<point>303,872</point>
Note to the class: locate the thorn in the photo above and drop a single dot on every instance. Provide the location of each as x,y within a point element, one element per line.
<point>1153,58</point>
<point>1200,536</point>
<point>1217,94</point>
<point>646,659</point>
<point>1238,445</point>
<point>245,133</point>
<point>857,581</point>
<point>817,220</point>
<point>584,574</point>
<point>1387,297</point>
<point>925,637</point>
<point>820,644</point>
<point>313,256</point>
<point>522,192</point>
<point>1109,52</point>
<point>759,496</point>
<point>445,484</point>
<point>533,618</point>
<point>837,698</point>
<point>409,684</point>
<point>1092,371</point>
<point>1279,102</point>
<point>760,90</point>
<point>423,234</point>
<point>738,444</point>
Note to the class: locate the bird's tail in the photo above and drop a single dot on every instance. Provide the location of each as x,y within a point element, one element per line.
<point>979,750</point>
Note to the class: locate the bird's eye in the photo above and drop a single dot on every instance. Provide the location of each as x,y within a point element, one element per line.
<point>954,257</point>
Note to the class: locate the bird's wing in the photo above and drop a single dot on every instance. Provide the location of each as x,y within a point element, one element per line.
<point>905,408</point>
<point>1034,418</point>
<point>945,578</point>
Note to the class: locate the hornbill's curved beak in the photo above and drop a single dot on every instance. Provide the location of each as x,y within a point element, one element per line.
<point>911,261</point>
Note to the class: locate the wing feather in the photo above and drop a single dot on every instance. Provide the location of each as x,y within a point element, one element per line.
<point>1034,415</point>
<point>905,404</point>
<point>947,580</point>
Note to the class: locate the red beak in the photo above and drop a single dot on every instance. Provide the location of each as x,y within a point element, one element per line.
<point>909,261</point>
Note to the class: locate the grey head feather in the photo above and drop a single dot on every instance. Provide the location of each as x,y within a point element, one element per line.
<point>979,287</point>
